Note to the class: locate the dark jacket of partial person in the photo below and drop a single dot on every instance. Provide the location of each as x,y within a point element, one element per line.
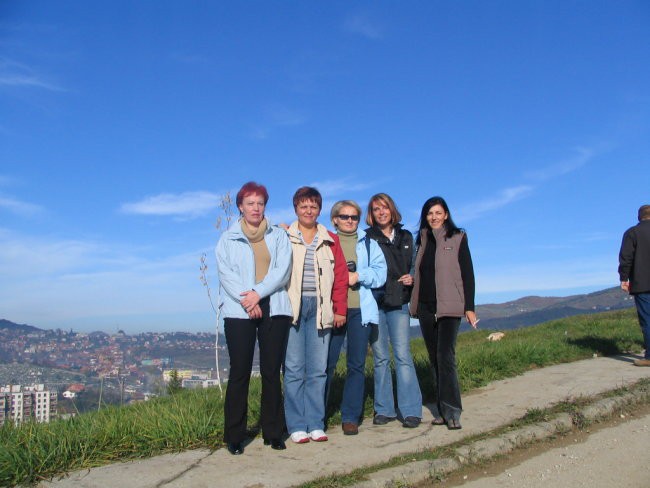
<point>453,274</point>
<point>634,257</point>
<point>400,258</point>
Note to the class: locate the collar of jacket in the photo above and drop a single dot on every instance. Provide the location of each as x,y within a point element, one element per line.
<point>378,235</point>
<point>321,231</point>
<point>235,232</point>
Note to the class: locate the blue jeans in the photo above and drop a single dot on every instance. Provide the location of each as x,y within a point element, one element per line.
<point>357,349</point>
<point>394,324</point>
<point>305,374</point>
<point>642,301</point>
<point>336,344</point>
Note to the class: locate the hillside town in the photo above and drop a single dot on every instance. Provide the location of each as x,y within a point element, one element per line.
<point>69,364</point>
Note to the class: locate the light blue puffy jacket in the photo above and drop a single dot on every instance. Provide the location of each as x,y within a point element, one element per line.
<point>236,268</point>
<point>371,275</point>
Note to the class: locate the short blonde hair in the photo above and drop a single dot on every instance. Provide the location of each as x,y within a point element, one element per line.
<point>336,208</point>
<point>395,216</point>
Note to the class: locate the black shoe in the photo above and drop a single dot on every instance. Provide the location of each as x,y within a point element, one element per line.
<point>411,422</point>
<point>235,448</point>
<point>277,444</point>
<point>382,419</point>
<point>454,424</point>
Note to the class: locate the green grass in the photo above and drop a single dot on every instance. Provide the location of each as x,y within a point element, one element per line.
<point>193,419</point>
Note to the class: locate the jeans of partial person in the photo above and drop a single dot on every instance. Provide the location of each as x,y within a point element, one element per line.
<point>642,301</point>
<point>357,349</point>
<point>336,344</point>
<point>395,327</point>
<point>305,371</point>
<point>271,333</point>
<point>440,335</point>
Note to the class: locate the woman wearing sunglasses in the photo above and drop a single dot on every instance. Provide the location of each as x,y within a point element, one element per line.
<point>366,270</point>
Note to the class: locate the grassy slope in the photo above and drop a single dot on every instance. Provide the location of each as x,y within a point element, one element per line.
<point>193,419</point>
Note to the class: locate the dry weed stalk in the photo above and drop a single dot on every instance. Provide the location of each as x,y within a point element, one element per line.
<point>225,206</point>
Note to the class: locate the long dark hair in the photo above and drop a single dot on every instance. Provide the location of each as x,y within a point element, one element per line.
<point>449,223</point>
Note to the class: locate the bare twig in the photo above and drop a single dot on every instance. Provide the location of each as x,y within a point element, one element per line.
<point>225,206</point>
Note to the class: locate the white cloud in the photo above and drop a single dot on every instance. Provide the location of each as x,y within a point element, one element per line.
<point>280,115</point>
<point>547,275</point>
<point>284,215</point>
<point>188,58</point>
<point>583,156</point>
<point>22,256</point>
<point>362,25</point>
<point>515,193</point>
<point>274,116</point>
<point>50,283</point>
<point>342,186</point>
<point>6,180</point>
<point>14,74</point>
<point>503,198</point>
<point>185,205</point>
<point>17,207</point>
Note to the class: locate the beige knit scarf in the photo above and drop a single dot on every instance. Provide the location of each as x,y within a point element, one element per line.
<point>260,250</point>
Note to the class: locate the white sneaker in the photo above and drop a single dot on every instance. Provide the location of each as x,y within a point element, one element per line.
<point>300,437</point>
<point>318,435</point>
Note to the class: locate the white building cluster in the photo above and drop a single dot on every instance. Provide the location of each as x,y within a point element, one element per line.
<point>191,378</point>
<point>23,403</point>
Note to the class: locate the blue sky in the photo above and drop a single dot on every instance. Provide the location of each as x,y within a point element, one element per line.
<point>122,124</point>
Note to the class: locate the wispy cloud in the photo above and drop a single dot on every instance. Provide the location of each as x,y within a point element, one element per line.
<point>515,193</point>
<point>17,207</point>
<point>281,115</point>
<point>362,25</point>
<point>184,205</point>
<point>563,167</point>
<point>284,215</point>
<point>188,58</point>
<point>50,282</point>
<point>6,180</point>
<point>340,186</point>
<point>547,275</point>
<point>274,116</point>
<point>503,198</point>
<point>25,256</point>
<point>14,74</point>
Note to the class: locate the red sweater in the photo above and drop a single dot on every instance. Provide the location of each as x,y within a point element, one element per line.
<point>340,287</point>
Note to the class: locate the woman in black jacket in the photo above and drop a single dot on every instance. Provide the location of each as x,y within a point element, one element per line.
<point>394,323</point>
<point>443,292</point>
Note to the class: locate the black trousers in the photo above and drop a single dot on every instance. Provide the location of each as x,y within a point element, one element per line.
<point>271,333</point>
<point>440,338</point>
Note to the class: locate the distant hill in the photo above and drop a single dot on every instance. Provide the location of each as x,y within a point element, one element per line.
<point>533,310</point>
<point>7,324</point>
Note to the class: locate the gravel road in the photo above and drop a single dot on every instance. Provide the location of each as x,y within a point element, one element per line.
<point>614,456</point>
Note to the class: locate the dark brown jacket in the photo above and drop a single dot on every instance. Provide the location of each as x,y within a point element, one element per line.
<point>451,290</point>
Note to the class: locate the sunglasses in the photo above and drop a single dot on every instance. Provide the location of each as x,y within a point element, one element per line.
<point>353,218</point>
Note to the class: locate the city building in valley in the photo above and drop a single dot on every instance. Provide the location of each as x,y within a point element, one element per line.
<point>21,404</point>
<point>191,378</point>
<point>191,383</point>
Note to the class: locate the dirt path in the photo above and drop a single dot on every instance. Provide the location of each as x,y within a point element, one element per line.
<point>610,454</point>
